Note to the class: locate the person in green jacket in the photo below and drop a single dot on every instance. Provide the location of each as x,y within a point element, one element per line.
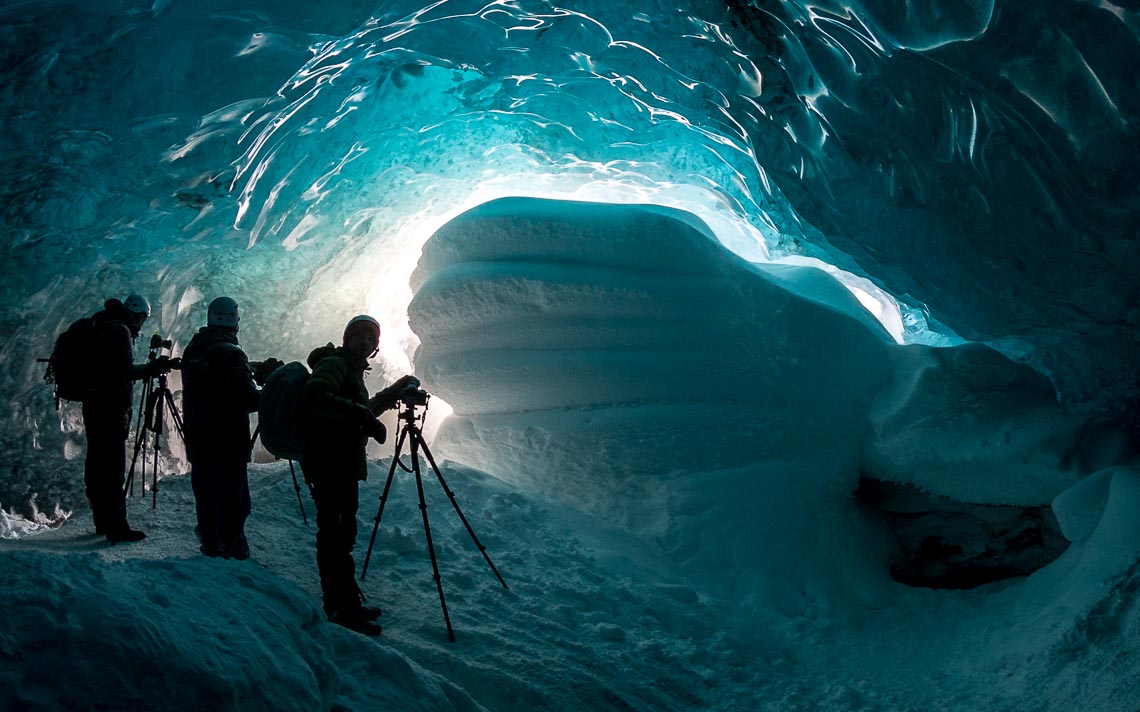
<point>339,418</point>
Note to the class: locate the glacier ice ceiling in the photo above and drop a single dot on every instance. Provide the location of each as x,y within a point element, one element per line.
<point>975,161</point>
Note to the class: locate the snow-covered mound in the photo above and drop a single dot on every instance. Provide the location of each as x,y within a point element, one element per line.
<point>968,423</point>
<point>619,359</point>
<point>631,330</point>
<point>86,626</point>
<point>77,630</point>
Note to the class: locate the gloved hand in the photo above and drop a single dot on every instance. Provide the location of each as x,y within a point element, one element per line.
<point>374,429</point>
<point>159,366</point>
<point>390,396</point>
<point>405,382</point>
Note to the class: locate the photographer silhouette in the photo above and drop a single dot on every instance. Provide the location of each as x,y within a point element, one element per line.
<point>107,411</point>
<point>340,417</point>
<point>219,391</point>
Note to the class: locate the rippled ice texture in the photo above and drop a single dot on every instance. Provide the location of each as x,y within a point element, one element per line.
<point>976,158</point>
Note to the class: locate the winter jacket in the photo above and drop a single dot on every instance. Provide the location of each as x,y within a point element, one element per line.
<point>218,394</point>
<point>112,359</point>
<point>336,407</point>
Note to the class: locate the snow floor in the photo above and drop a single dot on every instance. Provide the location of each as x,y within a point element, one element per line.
<point>594,619</point>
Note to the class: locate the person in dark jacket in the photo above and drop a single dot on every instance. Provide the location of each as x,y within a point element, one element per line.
<point>339,419</point>
<point>218,394</point>
<point>107,412</point>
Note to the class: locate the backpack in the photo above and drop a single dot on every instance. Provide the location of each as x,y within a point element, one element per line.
<point>279,418</point>
<point>69,366</point>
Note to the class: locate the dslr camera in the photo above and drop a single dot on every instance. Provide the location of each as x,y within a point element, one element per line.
<point>158,363</point>
<point>413,395</point>
<point>157,343</point>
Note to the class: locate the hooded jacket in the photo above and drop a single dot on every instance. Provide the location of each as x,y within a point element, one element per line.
<point>336,408</point>
<point>218,394</point>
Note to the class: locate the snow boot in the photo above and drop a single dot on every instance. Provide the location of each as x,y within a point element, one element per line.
<point>355,621</point>
<point>238,549</point>
<point>125,534</point>
<point>370,613</point>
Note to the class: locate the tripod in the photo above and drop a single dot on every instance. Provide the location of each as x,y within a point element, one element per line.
<point>156,398</point>
<point>410,432</point>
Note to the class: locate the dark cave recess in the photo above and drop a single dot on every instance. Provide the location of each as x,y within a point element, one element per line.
<point>943,543</point>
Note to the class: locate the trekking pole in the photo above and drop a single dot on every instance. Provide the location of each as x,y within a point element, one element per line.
<point>297,489</point>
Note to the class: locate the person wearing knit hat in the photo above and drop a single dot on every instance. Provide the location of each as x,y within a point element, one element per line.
<point>339,418</point>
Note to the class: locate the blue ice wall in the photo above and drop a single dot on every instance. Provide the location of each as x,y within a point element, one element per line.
<point>975,159</point>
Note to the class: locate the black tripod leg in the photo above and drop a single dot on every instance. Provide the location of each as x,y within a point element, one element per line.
<point>154,475</point>
<point>158,426</point>
<point>451,495</point>
<point>427,534</point>
<point>140,440</point>
<point>297,488</point>
<point>174,415</point>
<point>383,500</point>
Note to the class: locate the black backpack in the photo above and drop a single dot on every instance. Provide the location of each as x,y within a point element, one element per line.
<point>279,416</point>
<point>69,366</point>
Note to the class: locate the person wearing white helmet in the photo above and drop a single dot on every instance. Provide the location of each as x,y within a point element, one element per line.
<point>339,419</point>
<point>107,411</point>
<point>219,391</point>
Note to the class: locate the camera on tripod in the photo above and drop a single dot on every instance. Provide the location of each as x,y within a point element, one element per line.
<point>157,343</point>
<point>163,364</point>
<point>413,395</point>
<point>155,405</point>
<point>411,435</point>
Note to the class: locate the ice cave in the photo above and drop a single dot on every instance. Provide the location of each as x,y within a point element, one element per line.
<point>785,355</point>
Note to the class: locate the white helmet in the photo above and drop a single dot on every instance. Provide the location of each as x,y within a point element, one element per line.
<point>223,311</point>
<point>137,304</point>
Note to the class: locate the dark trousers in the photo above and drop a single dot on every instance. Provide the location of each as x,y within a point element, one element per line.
<point>337,502</point>
<point>106,464</point>
<point>221,498</point>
